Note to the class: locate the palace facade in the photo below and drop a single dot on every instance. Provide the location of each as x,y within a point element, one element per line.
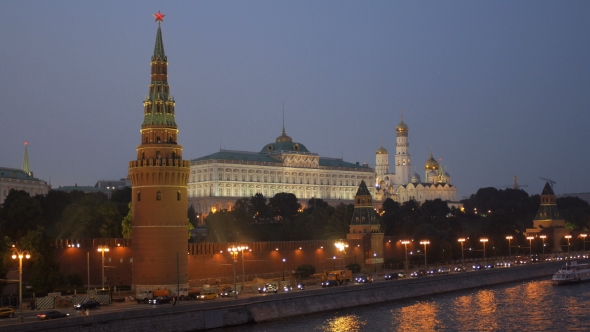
<point>217,180</point>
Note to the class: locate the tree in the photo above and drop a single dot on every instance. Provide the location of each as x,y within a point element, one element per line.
<point>19,214</point>
<point>284,206</point>
<point>42,269</point>
<point>258,203</point>
<point>126,225</point>
<point>192,215</point>
<point>338,224</point>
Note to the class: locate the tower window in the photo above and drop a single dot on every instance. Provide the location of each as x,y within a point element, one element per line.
<point>178,195</point>
<point>158,195</point>
<point>139,196</point>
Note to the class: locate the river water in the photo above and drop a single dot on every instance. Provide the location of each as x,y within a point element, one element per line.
<point>526,306</point>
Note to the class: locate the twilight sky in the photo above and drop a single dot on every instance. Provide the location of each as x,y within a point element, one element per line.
<point>495,88</point>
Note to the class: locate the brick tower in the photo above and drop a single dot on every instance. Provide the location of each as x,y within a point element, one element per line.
<point>159,180</point>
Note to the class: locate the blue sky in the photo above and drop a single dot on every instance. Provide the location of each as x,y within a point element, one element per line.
<point>496,88</point>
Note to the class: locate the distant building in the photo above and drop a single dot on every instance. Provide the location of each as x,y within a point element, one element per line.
<point>402,185</point>
<point>84,189</point>
<point>548,221</point>
<point>113,184</point>
<point>217,180</point>
<point>21,179</point>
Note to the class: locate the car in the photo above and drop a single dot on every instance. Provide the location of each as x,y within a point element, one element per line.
<point>364,279</point>
<point>477,267</point>
<point>418,273</point>
<point>228,292</point>
<point>391,276</point>
<point>431,272</point>
<point>459,268</point>
<point>330,283</point>
<point>287,288</point>
<point>489,266</point>
<point>207,296</point>
<point>401,274</point>
<point>89,304</point>
<point>443,270</point>
<point>6,312</point>
<point>161,300</point>
<point>300,286</point>
<point>268,288</point>
<point>51,315</point>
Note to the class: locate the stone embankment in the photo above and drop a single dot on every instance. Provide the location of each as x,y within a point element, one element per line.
<point>201,316</point>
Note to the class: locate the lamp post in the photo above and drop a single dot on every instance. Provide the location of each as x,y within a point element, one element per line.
<point>341,246</point>
<point>425,242</point>
<point>241,249</point>
<point>568,237</point>
<point>20,254</point>
<point>543,237</point>
<point>284,260</point>
<point>509,238</point>
<point>484,241</point>
<point>405,243</point>
<point>530,238</point>
<point>102,250</point>
<point>583,236</point>
<point>234,253</point>
<point>462,240</point>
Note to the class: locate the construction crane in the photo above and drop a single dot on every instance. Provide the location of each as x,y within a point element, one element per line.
<point>551,182</point>
<point>515,186</point>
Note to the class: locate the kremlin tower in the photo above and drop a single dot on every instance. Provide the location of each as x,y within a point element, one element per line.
<point>159,180</point>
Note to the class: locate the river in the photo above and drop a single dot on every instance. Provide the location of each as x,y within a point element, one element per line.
<point>525,306</point>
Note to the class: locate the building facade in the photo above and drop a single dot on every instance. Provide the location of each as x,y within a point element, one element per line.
<point>402,185</point>
<point>21,179</point>
<point>159,179</point>
<point>219,179</point>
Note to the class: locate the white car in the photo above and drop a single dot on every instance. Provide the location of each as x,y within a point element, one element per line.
<point>443,270</point>
<point>268,288</point>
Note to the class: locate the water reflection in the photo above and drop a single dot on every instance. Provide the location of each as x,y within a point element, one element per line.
<point>344,323</point>
<point>420,316</point>
<point>526,306</point>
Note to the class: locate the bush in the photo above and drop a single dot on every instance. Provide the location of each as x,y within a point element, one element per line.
<point>354,267</point>
<point>305,270</point>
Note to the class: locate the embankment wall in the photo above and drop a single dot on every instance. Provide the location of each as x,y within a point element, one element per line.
<point>201,316</point>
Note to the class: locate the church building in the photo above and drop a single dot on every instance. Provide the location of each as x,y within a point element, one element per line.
<point>402,185</point>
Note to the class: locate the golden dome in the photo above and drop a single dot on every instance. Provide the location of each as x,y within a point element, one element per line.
<point>381,150</point>
<point>431,163</point>
<point>284,137</point>
<point>401,127</point>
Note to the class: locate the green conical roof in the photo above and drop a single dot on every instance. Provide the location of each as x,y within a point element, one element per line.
<point>159,48</point>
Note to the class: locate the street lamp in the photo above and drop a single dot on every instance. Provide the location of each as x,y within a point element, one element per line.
<point>242,248</point>
<point>509,238</point>
<point>20,254</point>
<point>543,237</point>
<point>405,243</point>
<point>583,236</point>
<point>102,250</point>
<point>425,242</point>
<point>234,252</point>
<point>484,241</point>
<point>568,237</point>
<point>284,260</point>
<point>461,240</point>
<point>530,238</point>
<point>341,246</point>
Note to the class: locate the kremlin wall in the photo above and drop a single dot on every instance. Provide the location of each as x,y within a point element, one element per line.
<point>209,263</point>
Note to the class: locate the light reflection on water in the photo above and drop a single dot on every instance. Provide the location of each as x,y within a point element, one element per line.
<point>527,306</point>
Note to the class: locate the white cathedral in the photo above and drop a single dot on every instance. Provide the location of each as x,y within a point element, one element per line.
<point>402,185</point>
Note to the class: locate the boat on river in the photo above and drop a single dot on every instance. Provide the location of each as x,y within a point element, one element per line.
<point>570,273</point>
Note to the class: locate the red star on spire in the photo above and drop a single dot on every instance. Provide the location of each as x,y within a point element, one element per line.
<point>159,16</point>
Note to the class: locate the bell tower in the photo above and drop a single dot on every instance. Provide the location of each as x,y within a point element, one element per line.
<point>159,180</point>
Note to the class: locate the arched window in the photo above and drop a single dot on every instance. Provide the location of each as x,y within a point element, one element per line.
<point>178,195</point>
<point>158,195</point>
<point>139,196</point>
